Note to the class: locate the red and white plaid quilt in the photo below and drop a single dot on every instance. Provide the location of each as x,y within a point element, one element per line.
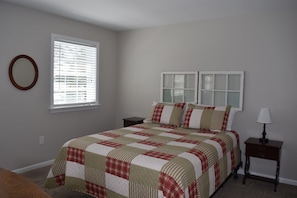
<point>146,160</point>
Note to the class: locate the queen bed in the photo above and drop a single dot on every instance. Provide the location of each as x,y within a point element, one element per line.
<point>177,152</point>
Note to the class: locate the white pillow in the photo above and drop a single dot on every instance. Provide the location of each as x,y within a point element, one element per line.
<point>231,118</point>
<point>149,119</point>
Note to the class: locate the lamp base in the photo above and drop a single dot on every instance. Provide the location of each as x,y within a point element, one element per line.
<point>263,140</point>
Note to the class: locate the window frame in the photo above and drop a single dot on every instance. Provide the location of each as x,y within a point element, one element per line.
<point>77,106</point>
<point>195,88</point>
<point>226,90</point>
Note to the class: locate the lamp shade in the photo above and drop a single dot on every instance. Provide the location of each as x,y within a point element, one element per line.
<point>264,116</point>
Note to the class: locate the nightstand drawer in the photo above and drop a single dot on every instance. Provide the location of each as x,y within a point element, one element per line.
<point>262,151</point>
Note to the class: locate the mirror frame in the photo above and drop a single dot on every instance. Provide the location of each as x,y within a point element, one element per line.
<point>11,77</point>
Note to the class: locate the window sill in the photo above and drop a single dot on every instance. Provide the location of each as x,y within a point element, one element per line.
<point>73,108</point>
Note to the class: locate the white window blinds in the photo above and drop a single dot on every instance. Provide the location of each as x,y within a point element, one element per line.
<point>74,73</point>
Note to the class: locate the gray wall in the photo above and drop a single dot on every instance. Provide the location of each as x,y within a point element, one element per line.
<point>24,115</point>
<point>264,45</point>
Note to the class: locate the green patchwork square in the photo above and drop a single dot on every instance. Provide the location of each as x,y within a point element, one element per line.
<point>144,176</point>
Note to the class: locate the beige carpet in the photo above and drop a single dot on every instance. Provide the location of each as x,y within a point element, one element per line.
<point>232,188</point>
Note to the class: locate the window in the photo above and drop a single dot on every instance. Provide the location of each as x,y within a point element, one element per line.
<point>221,88</point>
<point>74,75</point>
<point>179,86</point>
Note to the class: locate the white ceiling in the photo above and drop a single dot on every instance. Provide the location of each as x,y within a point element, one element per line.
<point>134,14</point>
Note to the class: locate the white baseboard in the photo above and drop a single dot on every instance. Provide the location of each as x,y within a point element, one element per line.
<point>281,180</point>
<point>240,171</point>
<point>34,166</point>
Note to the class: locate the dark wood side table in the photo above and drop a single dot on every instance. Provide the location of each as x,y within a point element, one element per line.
<point>270,151</point>
<point>132,121</point>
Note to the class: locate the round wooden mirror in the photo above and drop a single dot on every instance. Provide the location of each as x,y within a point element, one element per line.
<point>23,72</point>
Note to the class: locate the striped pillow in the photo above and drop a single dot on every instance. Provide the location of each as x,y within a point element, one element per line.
<point>166,113</point>
<point>206,117</point>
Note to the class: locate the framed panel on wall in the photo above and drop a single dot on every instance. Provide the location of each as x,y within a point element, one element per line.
<point>220,88</point>
<point>179,87</point>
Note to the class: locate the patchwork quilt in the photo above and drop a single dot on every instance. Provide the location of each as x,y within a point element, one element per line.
<point>146,160</point>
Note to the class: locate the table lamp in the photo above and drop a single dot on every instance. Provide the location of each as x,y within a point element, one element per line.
<point>264,117</point>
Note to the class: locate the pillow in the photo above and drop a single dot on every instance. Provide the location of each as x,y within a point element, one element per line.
<point>206,117</point>
<point>186,109</point>
<point>231,118</point>
<point>165,113</point>
<point>150,114</point>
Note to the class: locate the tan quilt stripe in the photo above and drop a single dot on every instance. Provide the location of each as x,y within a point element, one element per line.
<point>206,117</point>
<point>112,194</point>
<point>150,125</point>
<point>144,176</point>
<point>175,169</point>
<point>89,140</point>
<point>210,151</point>
<point>95,176</point>
<point>126,154</point>
<point>75,183</point>
<point>122,131</point>
<point>173,150</point>
<point>203,185</point>
<point>176,116</point>
<point>122,140</point>
<point>223,169</point>
<point>152,131</point>
<point>185,130</point>
<point>62,155</point>
<point>138,190</point>
<point>81,143</point>
<point>227,139</point>
<point>160,139</point>
<point>95,161</point>
<point>133,150</point>
<point>217,119</point>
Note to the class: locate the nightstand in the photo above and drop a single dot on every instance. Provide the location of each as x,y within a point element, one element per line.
<point>270,151</point>
<point>132,121</point>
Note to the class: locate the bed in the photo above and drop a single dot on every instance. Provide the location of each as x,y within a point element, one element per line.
<point>159,158</point>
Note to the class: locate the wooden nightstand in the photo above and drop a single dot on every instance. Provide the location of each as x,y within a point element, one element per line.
<point>132,121</point>
<point>270,150</point>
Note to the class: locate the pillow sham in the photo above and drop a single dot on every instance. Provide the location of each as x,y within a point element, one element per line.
<point>186,109</point>
<point>206,117</point>
<point>165,113</point>
<point>148,119</point>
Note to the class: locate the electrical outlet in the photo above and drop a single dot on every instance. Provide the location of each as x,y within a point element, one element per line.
<point>41,139</point>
